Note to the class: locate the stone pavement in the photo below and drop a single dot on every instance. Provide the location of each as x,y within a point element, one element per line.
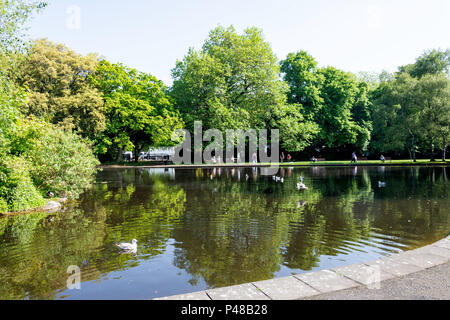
<point>429,284</point>
<point>417,274</point>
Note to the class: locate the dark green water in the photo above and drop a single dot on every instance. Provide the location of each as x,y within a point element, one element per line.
<point>201,229</point>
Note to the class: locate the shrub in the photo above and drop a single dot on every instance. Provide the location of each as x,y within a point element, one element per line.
<point>61,161</point>
<point>17,190</point>
<point>3,206</point>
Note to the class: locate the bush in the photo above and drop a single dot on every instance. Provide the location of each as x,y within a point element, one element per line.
<point>3,206</point>
<point>17,191</point>
<point>61,161</point>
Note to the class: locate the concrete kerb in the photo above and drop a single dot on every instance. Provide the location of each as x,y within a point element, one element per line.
<point>309,284</point>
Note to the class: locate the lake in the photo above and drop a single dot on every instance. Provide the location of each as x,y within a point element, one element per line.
<point>214,227</point>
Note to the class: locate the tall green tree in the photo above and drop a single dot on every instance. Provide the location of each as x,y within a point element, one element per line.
<point>138,111</point>
<point>59,90</point>
<point>388,135</point>
<point>342,119</point>
<point>335,100</point>
<point>300,72</point>
<point>13,15</point>
<point>433,95</point>
<point>410,111</point>
<point>233,83</point>
<point>430,62</point>
<point>35,157</point>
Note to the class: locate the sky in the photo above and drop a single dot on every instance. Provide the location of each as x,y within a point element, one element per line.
<point>149,35</point>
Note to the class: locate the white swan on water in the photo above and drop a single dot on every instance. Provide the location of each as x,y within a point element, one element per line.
<point>301,186</point>
<point>128,246</point>
<point>381,184</point>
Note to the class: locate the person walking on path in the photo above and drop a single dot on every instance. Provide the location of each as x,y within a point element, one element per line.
<point>282,157</point>
<point>354,158</point>
<point>255,158</point>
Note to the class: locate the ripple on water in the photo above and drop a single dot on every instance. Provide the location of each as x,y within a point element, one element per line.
<point>195,231</point>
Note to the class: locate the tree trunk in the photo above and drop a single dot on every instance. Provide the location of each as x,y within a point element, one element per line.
<point>119,155</point>
<point>413,149</point>
<point>409,152</point>
<point>137,151</point>
<point>432,150</point>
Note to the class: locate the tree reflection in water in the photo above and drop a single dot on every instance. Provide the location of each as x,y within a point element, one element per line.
<point>223,226</point>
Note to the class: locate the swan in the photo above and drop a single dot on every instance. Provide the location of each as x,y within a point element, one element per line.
<point>128,246</point>
<point>301,186</point>
<point>277,178</point>
<point>381,184</point>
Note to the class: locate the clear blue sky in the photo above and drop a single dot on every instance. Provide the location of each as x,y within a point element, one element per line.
<point>150,35</point>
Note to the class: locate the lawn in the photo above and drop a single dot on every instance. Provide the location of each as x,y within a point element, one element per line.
<point>288,164</point>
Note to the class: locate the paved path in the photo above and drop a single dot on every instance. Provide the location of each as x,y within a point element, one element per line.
<point>432,283</point>
<point>417,274</point>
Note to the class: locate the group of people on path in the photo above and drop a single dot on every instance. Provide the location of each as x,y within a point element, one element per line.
<point>288,158</point>
<point>354,158</point>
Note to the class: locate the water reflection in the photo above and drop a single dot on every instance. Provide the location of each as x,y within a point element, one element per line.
<point>214,227</point>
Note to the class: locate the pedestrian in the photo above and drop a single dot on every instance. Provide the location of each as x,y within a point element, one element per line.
<point>289,157</point>
<point>254,157</point>
<point>354,158</point>
<point>313,159</point>
<point>282,157</point>
<point>382,158</point>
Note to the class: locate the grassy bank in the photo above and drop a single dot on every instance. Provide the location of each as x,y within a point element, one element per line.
<point>401,162</point>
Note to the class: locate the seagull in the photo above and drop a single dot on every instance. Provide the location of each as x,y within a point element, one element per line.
<point>124,246</point>
<point>381,184</point>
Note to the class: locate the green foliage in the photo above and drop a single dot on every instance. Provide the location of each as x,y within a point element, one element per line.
<point>233,83</point>
<point>430,62</point>
<point>16,186</point>
<point>59,91</point>
<point>61,161</point>
<point>296,133</point>
<point>14,14</point>
<point>411,114</point>
<point>300,72</point>
<point>43,158</point>
<point>138,112</point>
<point>433,95</point>
<point>3,206</point>
<point>335,100</point>
<point>228,83</point>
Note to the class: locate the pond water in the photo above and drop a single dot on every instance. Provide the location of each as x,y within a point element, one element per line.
<point>208,228</point>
